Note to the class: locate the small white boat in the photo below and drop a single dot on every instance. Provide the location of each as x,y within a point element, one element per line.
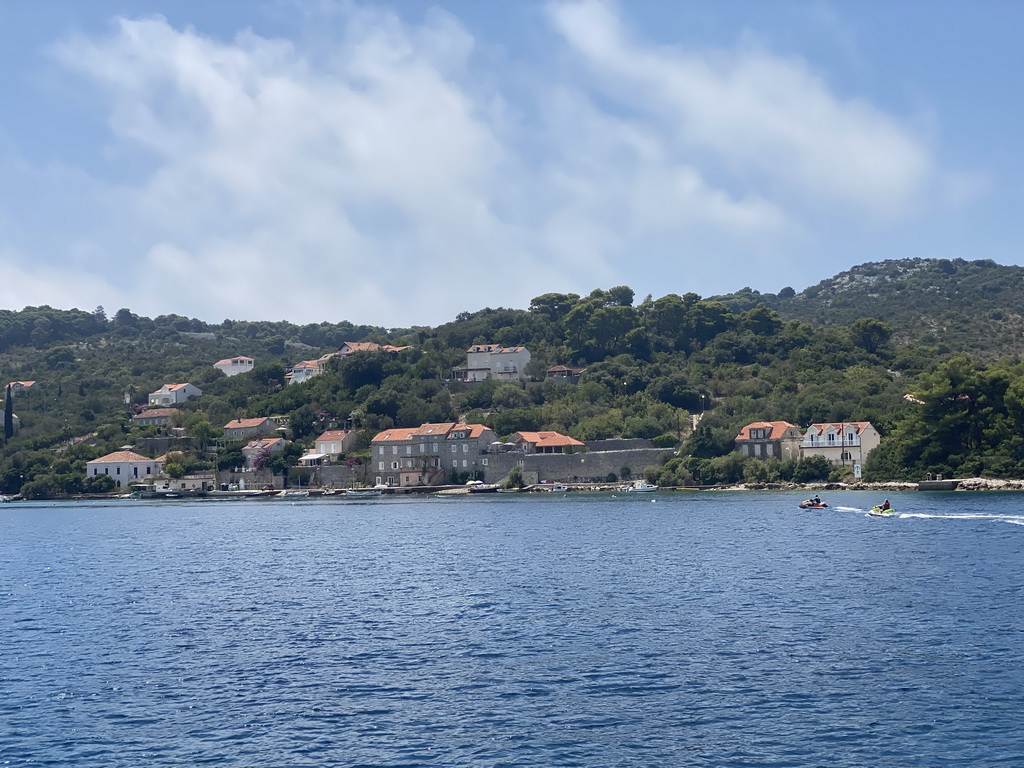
<point>641,486</point>
<point>362,493</point>
<point>4,499</point>
<point>293,494</point>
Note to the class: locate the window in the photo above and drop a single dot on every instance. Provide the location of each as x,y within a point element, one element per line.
<point>378,479</point>
<point>408,450</point>
<point>394,450</point>
<point>382,450</point>
<point>455,448</point>
<point>831,437</point>
<point>435,447</point>
<point>423,447</point>
<point>394,465</point>
<point>465,447</point>
<point>380,465</point>
<point>484,462</point>
<point>119,470</point>
<point>455,463</point>
<point>464,463</point>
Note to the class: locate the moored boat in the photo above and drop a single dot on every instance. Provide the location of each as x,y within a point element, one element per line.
<point>641,486</point>
<point>362,493</point>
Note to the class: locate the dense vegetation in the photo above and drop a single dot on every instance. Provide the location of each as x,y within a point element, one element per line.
<point>889,343</point>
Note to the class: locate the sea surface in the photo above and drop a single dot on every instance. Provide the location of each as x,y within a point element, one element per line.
<point>668,629</point>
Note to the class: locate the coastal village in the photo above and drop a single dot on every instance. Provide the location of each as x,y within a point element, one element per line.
<point>429,456</point>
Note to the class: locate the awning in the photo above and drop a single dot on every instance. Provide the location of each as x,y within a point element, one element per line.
<point>312,457</point>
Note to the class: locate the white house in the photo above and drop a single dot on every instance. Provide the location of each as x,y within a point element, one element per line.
<point>335,441</point>
<point>305,371</point>
<point>124,466</point>
<point>232,366</point>
<point>491,361</point>
<point>172,394</point>
<point>845,443</point>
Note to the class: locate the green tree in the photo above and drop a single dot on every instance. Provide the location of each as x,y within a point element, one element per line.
<point>8,415</point>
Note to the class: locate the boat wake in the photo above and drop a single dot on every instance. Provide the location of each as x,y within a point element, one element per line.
<point>1012,519</point>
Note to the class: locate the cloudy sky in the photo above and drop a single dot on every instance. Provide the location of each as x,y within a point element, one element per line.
<point>399,162</point>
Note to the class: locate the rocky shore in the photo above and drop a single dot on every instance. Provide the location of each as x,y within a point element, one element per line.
<point>967,484</point>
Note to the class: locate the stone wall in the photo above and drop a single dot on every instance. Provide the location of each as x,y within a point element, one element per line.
<point>573,467</point>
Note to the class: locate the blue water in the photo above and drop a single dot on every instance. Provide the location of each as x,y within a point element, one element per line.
<point>710,629</point>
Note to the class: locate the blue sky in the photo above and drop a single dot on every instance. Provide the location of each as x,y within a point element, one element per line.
<point>397,163</point>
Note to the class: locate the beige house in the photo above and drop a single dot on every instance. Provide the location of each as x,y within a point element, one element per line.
<point>239,429</point>
<point>155,417</point>
<point>268,445</point>
<point>492,361</point>
<point>334,442</point>
<point>844,443</point>
<point>770,439</point>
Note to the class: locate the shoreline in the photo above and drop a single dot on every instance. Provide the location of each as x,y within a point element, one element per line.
<point>965,484</point>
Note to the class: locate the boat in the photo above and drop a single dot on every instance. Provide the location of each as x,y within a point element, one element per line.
<point>4,499</point>
<point>809,504</point>
<point>509,490</point>
<point>296,494</point>
<point>558,488</point>
<point>641,486</point>
<point>879,512</point>
<point>362,493</point>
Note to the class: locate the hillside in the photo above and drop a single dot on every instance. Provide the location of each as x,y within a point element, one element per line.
<point>951,306</point>
<point>878,343</point>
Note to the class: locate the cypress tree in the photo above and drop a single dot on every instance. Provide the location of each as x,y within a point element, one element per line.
<point>8,415</point>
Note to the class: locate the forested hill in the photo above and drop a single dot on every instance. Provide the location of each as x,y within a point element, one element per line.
<point>927,350</point>
<point>975,307</point>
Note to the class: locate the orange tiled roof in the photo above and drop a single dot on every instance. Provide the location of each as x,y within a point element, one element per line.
<point>157,413</point>
<point>394,435</point>
<point>230,360</point>
<point>778,429</point>
<point>244,423</point>
<point>840,426</point>
<point>333,434</point>
<point>547,439</point>
<point>264,442</point>
<point>474,430</point>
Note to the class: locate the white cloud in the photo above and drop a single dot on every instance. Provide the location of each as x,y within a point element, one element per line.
<point>383,178</point>
<point>769,119</point>
<point>26,283</point>
<point>363,187</point>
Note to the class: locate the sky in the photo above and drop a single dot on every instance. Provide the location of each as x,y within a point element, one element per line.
<point>397,163</point>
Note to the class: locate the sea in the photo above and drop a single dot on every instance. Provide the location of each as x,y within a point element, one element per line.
<point>667,629</point>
